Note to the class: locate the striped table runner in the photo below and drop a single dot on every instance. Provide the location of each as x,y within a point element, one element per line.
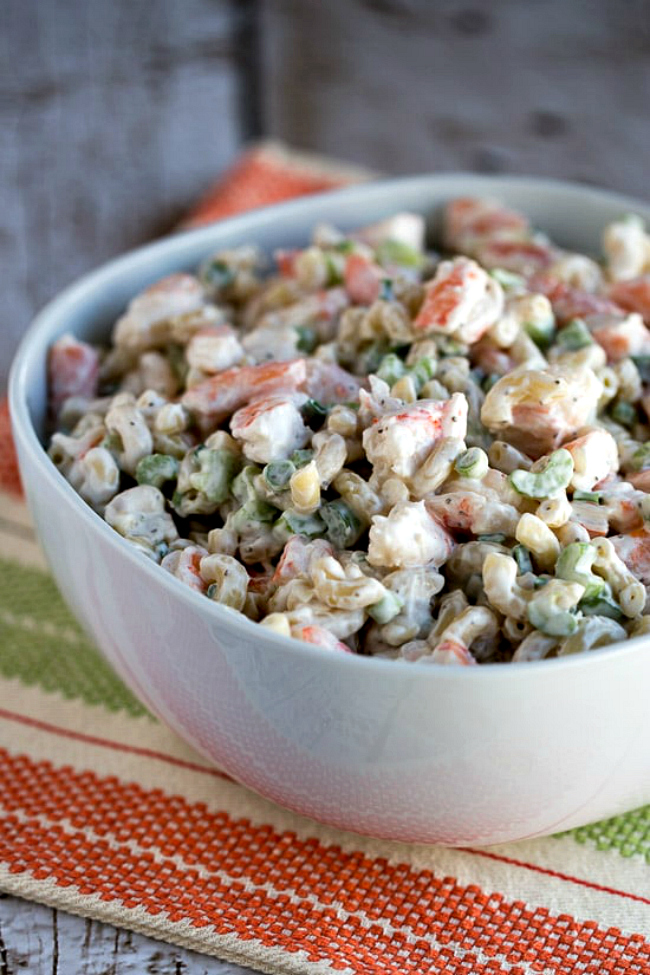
<point>107,814</point>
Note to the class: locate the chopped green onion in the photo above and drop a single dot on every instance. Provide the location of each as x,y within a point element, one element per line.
<point>574,565</point>
<point>555,477</point>
<point>300,458</point>
<point>291,523</point>
<point>216,473</point>
<point>313,413</point>
<point>387,608</point>
<point>575,335</point>
<point>396,252</point>
<point>472,463</point>
<point>386,292</point>
<point>243,487</point>
<point>594,497</point>
<point>156,469</point>
<point>521,555</point>
<point>217,274</point>
<point>641,458</point>
<point>343,526</point>
<point>307,338</point>
<point>624,413</point>
<point>497,538</point>
<point>278,473</point>
<point>507,279</point>
<point>541,332</point>
<point>602,604</point>
<point>391,368</point>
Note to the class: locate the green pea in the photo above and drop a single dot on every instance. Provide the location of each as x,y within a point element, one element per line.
<point>575,335</point>
<point>521,555</point>
<point>391,368</point>
<point>243,486</point>
<point>307,338</point>
<point>343,526</point>
<point>574,564</point>
<point>278,473</point>
<point>396,252</point>
<point>156,469</point>
<point>472,463</point>
<point>423,370</point>
<point>624,413</point>
<point>388,607</point>
<point>555,477</point>
<point>217,468</point>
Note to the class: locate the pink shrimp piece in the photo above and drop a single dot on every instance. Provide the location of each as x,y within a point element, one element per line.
<point>633,295</point>
<point>620,335</point>
<point>490,359</point>
<point>640,481</point>
<point>185,565</point>
<point>634,550</point>
<point>222,394</point>
<point>320,637</point>
<point>467,220</point>
<point>451,652</point>
<point>571,302</point>
<point>297,556</point>
<point>73,371</point>
<point>286,261</point>
<point>520,256</point>
<point>468,511</point>
<point>362,279</point>
<point>270,428</point>
<point>329,383</point>
<point>461,300</point>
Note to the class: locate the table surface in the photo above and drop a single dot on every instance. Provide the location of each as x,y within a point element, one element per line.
<point>43,941</point>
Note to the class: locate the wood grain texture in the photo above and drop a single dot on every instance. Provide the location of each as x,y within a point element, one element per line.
<point>42,941</point>
<point>115,116</point>
<point>520,86</point>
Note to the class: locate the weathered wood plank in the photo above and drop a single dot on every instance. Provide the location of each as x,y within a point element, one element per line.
<point>545,87</point>
<point>115,116</point>
<point>43,941</point>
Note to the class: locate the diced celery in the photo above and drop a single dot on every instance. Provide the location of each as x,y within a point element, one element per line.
<point>387,608</point>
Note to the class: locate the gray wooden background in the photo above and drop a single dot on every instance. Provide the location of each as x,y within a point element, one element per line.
<point>115,115</point>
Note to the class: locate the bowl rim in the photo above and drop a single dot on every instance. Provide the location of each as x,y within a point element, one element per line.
<point>82,289</point>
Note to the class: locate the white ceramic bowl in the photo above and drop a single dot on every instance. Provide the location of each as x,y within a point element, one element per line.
<point>398,750</point>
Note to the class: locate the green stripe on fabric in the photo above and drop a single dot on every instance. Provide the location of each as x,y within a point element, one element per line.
<point>628,835</point>
<point>41,644</point>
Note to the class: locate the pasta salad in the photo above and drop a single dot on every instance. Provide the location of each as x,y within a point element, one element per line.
<point>381,449</point>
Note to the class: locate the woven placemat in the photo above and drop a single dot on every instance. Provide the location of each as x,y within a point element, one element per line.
<point>106,813</point>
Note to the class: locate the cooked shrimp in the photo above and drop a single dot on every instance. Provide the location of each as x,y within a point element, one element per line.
<point>468,221</point>
<point>319,636</point>
<point>186,566</point>
<point>146,322</point>
<point>633,295</point>
<point>399,442</point>
<point>270,428</point>
<point>73,370</point>
<point>220,395</point>
<point>536,410</point>
<point>362,279</point>
<point>329,383</point>
<point>620,335</point>
<point>461,300</point>
<point>521,256</point>
<point>634,550</point>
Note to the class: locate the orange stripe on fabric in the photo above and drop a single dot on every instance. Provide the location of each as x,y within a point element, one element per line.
<point>462,918</point>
